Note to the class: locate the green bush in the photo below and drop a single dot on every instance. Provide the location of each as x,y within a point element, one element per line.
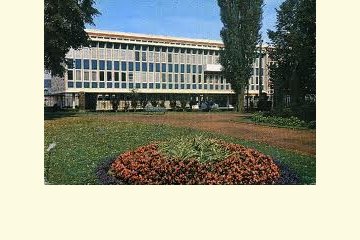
<point>278,121</point>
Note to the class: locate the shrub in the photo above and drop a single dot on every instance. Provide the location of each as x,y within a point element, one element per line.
<point>279,121</point>
<point>149,165</point>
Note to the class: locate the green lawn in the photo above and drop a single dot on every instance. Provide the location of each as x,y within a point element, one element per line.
<point>83,142</point>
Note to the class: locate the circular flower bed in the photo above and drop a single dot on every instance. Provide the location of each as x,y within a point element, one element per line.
<point>158,164</point>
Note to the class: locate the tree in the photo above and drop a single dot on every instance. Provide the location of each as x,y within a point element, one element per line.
<point>240,34</point>
<point>64,24</point>
<point>294,51</point>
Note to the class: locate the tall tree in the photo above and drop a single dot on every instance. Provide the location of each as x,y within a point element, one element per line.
<point>64,24</point>
<point>240,34</point>
<point>294,51</point>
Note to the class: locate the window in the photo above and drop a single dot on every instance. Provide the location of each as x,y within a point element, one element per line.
<point>151,56</point>
<point>123,54</point>
<point>102,77</point>
<point>116,66</point>
<point>78,63</point>
<point>170,67</point>
<point>176,77</point>
<point>86,64</point>
<point>157,57</point>
<point>163,57</point>
<point>188,58</point>
<point>86,76</point>
<point>137,47</point>
<point>182,68</point>
<point>170,77</point>
<point>194,78</point>
<point>157,67</point>
<point>144,66</point>
<point>123,76</point>
<point>200,69</point>
<point>176,58</point>
<point>131,76</point>
<point>151,67</point>
<point>169,57</point>
<point>70,75</point>
<point>163,67</point>
<point>137,66</point>
<point>101,44</point>
<point>102,65</point>
<point>257,71</point>
<point>93,44</point>
<point>257,80</point>
<point>94,64</point>
<point>109,45</point>
<point>78,75</point>
<point>93,85</point>
<point>176,68</point>
<point>123,66</point>
<point>108,76</point>
<point>93,76</point>
<point>143,56</point>
<point>143,77</point>
<point>194,68</point>
<point>116,45</point>
<point>157,77</point>
<point>137,56</point>
<point>182,79</point>
<point>131,66</point>
<point>163,77</point>
<point>108,65</point>
<point>199,78</point>
<point>188,67</point>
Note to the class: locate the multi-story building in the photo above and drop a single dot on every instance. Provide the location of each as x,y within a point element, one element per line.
<point>155,67</point>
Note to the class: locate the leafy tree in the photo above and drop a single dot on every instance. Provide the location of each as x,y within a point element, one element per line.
<point>64,24</point>
<point>240,34</point>
<point>294,51</point>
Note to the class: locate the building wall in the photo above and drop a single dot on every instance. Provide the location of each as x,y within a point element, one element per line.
<point>119,62</point>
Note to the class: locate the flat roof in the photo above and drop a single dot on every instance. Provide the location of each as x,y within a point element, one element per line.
<point>156,38</point>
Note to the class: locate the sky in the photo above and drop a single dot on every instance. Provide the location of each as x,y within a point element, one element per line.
<point>178,18</point>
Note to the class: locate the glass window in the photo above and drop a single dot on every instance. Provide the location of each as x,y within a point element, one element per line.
<point>93,76</point>
<point>108,65</point>
<point>116,66</point>
<point>176,68</point>
<point>199,78</point>
<point>93,44</point>
<point>123,46</point>
<point>123,76</point>
<point>86,85</point>
<point>86,64</point>
<point>137,47</point>
<point>163,57</point>
<point>94,64</point>
<point>169,57</point>
<point>86,76</point>
<point>157,77</point>
<point>102,77</point>
<point>131,66</point>
<point>163,67</point>
<point>182,68</point>
<point>188,67</point>
<point>78,75</point>
<point>170,67</point>
<point>182,78</point>
<point>257,71</point>
<point>70,75</point>
<point>170,77</point>
<point>109,85</point>
<point>157,66</point>
<point>194,78</point>
<point>194,68</point>
<point>176,77</point>
<point>151,56</point>
<point>109,45</point>
<point>257,80</point>
<point>144,66</point>
<point>151,67</point>
<point>102,65</point>
<point>137,56</point>
<point>94,85</point>
<point>163,77</point>
<point>101,44</point>
<point>131,76</point>
<point>123,66</point>
<point>78,84</point>
<point>109,76</point>
<point>200,69</point>
<point>143,56</point>
<point>137,66</point>
<point>78,63</point>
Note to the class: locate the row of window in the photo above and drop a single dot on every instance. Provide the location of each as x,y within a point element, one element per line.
<point>141,77</point>
<point>130,55</point>
<point>146,85</point>
<point>110,45</point>
<point>131,66</point>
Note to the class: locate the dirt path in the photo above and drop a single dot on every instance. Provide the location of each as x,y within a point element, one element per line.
<point>303,141</point>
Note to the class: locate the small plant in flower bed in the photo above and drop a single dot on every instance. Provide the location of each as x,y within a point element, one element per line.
<point>200,163</point>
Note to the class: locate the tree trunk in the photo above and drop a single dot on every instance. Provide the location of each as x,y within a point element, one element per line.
<point>240,101</point>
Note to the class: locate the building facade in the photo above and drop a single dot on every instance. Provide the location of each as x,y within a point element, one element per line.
<point>117,65</point>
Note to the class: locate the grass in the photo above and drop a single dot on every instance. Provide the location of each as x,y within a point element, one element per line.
<point>83,141</point>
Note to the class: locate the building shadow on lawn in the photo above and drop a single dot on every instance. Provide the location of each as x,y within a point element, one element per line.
<point>57,115</point>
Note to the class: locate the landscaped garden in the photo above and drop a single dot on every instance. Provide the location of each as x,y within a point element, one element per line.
<point>98,149</point>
